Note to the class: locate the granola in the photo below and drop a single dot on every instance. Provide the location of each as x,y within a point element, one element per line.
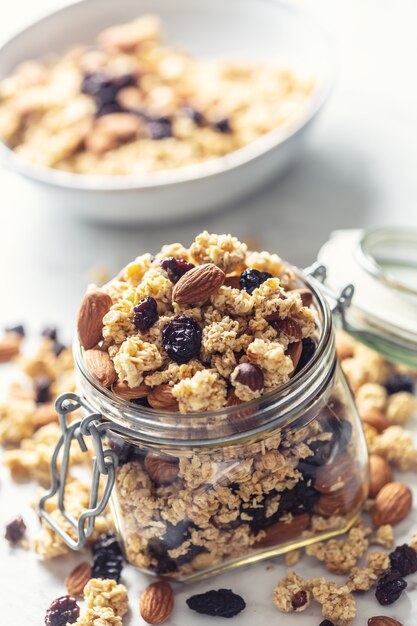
<point>132,105</point>
<point>292,594</point>
<point>106,593</point>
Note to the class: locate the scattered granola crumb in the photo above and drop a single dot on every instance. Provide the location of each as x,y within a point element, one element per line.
<point>292,558</point>
<point>384,536</point>
<point>99,616</point>
<point>105,592</point>
<point>338,603</point>
<point>363,578</point>
<point>397,447</point>
<point>291,594</point>
<point>340,555</point>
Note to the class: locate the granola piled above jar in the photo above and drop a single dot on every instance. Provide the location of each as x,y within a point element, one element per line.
<point>198,328</point>
<point>131,104</point>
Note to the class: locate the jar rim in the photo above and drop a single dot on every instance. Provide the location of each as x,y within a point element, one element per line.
<point>271,410</point>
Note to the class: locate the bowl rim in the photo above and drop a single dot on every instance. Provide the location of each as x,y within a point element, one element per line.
<point>188,173</point>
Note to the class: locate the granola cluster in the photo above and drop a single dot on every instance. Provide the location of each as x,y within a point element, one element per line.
<point>201,328</point>
<point>131,104</point>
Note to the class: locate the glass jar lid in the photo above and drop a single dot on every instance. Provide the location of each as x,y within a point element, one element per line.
<point>382,265</point>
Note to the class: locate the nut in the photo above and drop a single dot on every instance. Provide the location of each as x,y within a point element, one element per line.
<point>376,419</point>
<point>198,284</point>
<point>334,476</point>
<point>380,474</point>
<point>110,131</point>
<point>9,346</point>
<point>294,351</point>
<point>130,393</point>
<point>382,620</point>
<point>392,504</point>
<point>162,469</point>
<point>100,366</point>
<point>157,602</point>
<point>305,294</point>
<point>93,308</point>
<point>232,281</point>
<point>161,398</point>
<point>282,532</point>
<point>249,375</point>
<point>77,579</point>
<point>44,414</point>
<point>343,501</point>
<point>288,326</point>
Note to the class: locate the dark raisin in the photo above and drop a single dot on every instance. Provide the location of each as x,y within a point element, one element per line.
<point>220,603</point>
<point>146,313</point>
<point>50,332</point>
<point>404,560</point>
<point>42,386</point>
<point>104,88</point>
<point>175,268</point>
<point>400,382</point>
<point>123,450</point>
<point>341,430</point>
<point>389,587</point>
<point>326,622</point>
<point>182,338</point>
<point>159,128</point>
<point>19,330</point>
<point>15,530</point>
<point>251,279</point>
<point>58,348</point>
<point>299,599</point>
<point>223,125</point>
<point>193,114</point>
<point>299,499</point>
<point>309,348</point>
<point>176,534</point>
<point>107,558</point>
<point>157,551</point>
<point>63,610</point>
<point>106,543</point>
<point>108,109</point>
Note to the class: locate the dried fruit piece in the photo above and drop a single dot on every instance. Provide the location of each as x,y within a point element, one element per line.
<point>220,603</point>
<point>389,588</point>
<point>326,622</point>
<point>15,530</point>
<point>159,128</point>
<point>19,329</point>
<point>309,348</point>
<point>249,375</point>
<point>107,558</point>
<point>162,469</point>
<point>157,602</point>
<point>63,611</point>
<point>251,279</point>
<point>100,366</point>
<point>400,382</point>
<point>198,284</point>
<point>93,308</point>
<point>404,560</point>
<point>392,504</point>
<point>175,268</point>
<point>161,398</point>
<point>42,385</point>
<point>182,338</point>
<point>77,579</point>
<point>145,313</point>
<point>380,474</point>
<point>381,620</point>
<point>299,599</point>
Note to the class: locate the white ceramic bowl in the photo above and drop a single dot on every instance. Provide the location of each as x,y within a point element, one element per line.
<point>253,29</point>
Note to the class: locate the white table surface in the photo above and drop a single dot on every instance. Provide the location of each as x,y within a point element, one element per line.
<point>358,171</point>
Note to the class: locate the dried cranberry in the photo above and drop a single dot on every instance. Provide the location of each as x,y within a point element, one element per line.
<point>223,125</point>
<point>404,560</point>
<point>159,128</point>
<point>400,382</point>
<point>59,347</point>
<point>19,330</point>
<point>326,622</point>
<point>220,603</point>
<point>63,610</point>
<point>175,268</point>
<point>389,587</point>
<point>15,530</point>
<point>299,599</point>
<point>251,279</point>
<point>42,386</point>
<point>193,114</point>
<point>146,313</point>
<point>309,348</point>
<point>182,338</point>
<point>107,558</point>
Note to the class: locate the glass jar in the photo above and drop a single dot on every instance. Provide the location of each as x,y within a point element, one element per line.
<point>194,494</point>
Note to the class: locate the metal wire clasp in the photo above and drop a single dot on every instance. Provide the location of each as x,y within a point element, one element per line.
<point>338,302</point>
<point>104,464</point>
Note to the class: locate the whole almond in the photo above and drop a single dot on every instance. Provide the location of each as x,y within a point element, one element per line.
<point>93,308</point>
<point>392,504</point>
<point>380,474</point>
<point>305,294</point>
<point>288,326</point>
<point>9,346</point>
<point>381,620</point>
<point>157,602</point>
<point>162,469</point>
<point>161,398</point>
<point>77,579</point>
<point>198,284</point>
<point>294,351</point>
<point>232,281</point>
<point>334,476</point>
<point>100,366</point>
<point>281,531</point>
<point>44,414</point>
<point>130,393</point>
<point>343,501</point>
<point>376,419</point>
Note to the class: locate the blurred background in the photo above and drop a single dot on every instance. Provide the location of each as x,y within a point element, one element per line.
<point>358,170</point>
